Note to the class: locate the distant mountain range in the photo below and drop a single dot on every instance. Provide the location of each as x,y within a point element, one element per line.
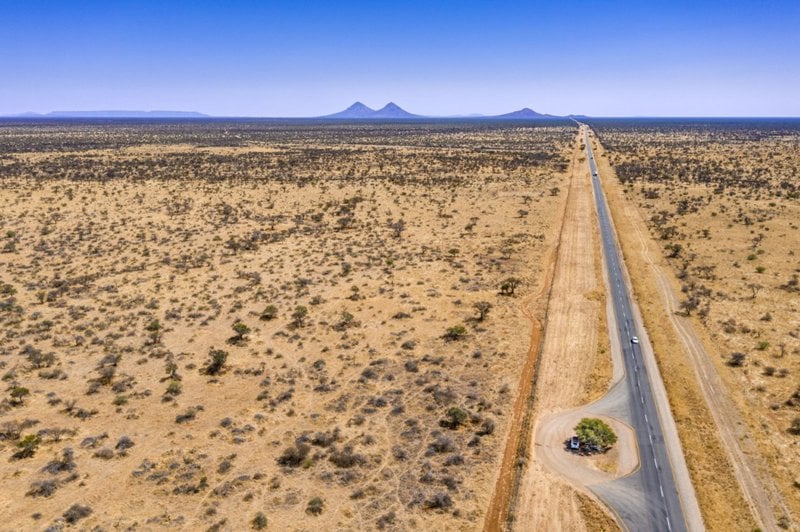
<point>113,114</point>
<point>392,111</point>
<point>357,111</point>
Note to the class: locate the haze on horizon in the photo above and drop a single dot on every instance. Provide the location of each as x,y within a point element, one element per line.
<point>247,58</point>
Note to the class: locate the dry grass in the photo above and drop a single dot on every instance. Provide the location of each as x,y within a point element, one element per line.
<point>725,205</point>
<point>131,253</point>
<point>716,226</point>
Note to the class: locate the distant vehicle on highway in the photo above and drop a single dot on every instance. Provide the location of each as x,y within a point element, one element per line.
<point>635,340</point>
<point>574,443</point>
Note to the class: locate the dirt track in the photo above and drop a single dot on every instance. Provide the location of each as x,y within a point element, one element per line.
<point>534,308</point>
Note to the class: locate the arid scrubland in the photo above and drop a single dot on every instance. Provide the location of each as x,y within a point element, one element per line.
<point>723,199</point>
<point>211,325</point>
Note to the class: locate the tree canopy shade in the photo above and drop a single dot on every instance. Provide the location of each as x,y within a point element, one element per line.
<point>595,432</point>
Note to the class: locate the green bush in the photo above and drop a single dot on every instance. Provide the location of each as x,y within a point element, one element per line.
<point>455,332</point>
<point>269,313</point>
<point>315,506</point>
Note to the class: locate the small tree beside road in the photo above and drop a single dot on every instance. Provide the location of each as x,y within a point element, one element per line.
<point>595,433</point>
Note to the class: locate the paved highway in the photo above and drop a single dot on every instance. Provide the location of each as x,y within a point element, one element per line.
<point>654,483</point>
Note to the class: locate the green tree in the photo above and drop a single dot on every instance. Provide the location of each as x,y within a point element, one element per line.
<point>595,432</point>
<point>18,394</point>
<point>241,330</point>
<point>299,315</point>
<point>455,417</point>
<point>269,313</point>
<point>154,328</point>
<point>218,358</point>
<point>508,286</point>
<point>26,447</point>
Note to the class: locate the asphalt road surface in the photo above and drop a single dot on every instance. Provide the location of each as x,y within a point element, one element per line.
<point>653,484</point>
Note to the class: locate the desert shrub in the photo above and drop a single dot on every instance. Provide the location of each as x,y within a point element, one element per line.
<point>439,500</point>
<point>269,313</point>
<point>454,459</point>
<point>442,444</point>
<point>737,360</point>
<point>18,394</point>
<point>487,427</point>
<point>294,456</point>
<point>455,417</point>
<point>346,458</point>
<point>61,465</point>
<point>42,488</point>
<point>259,522</point>
<point>188,415</point>
<point>173,388</point>
<point>105,454</point>
<point>385,520</point>
<point>123,444</point>
<point>324,439</point>
<point>455,332</point>
<point>75,513</point>
<point>315,506</point>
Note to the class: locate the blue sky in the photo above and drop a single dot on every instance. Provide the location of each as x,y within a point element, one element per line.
<point>306,58</point>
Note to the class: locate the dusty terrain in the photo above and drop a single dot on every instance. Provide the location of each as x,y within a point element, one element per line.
<point>573,365</point>
<point>217,326</point>
<point>715,259</point>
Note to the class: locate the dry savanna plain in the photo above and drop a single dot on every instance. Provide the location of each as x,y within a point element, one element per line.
<point>722,202</point>
<point>224,326</point>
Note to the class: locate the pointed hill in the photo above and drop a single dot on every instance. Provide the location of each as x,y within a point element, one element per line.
<point>392,110</point>
<point>360,111</point>
<point>357,110</point>
<point>524,114</point>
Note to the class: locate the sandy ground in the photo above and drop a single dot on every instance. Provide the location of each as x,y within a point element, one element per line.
<point>364,383</point>
<point>546,500</point>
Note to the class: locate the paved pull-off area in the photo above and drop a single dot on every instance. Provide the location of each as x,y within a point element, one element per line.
<point>659,495</point>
